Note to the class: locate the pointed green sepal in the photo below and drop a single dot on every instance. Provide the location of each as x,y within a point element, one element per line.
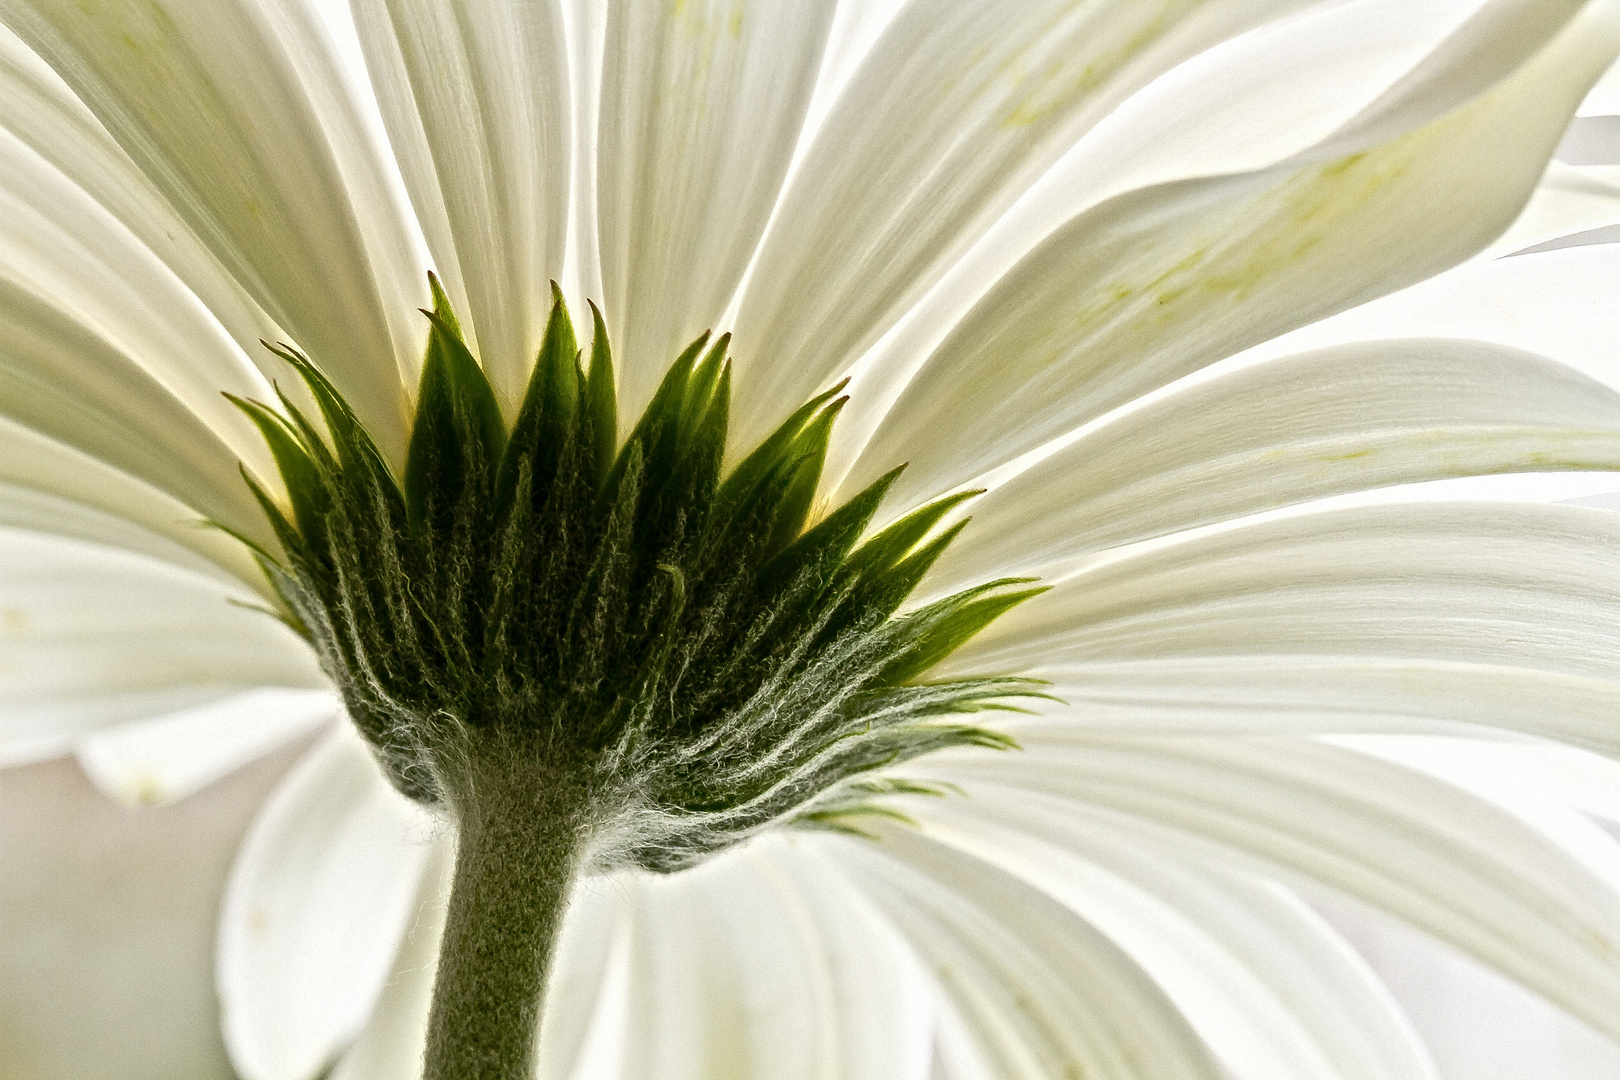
<point>949,623</point>
<point>806,454</point>
<point>894,543</point>
<point>770,454</point>
<point>547,421</point>
<point>822,549</point>
<point>292,542</point>
<point>443,309</point>
<point>601,399</point>
<point>356,452</point>
<point>299,471</point>
<point>458,435</point>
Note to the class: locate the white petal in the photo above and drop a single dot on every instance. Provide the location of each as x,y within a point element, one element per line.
<point>1280,90</point>
<point>683,1017</point>
<point>957,1055</point>
<point>1157,283</point>
<point>1299,694</point>
<point>595,923</point>
<point>1569,200</point>
<point>110,348</point>
<point>953,113</point>
<point>755,964</point>
<point>157,761</point>
<point>1265,981</point>
<point>1299,428</point>
<point>39,110</point>
<point>48,487</point>
<point>395,1036</point>
<point>1458,866</point>
<point>1502,37</point>
<point>107,351</point>
<point>322,892</point>
<point>1514,584</point>
<point>236,113</point>
<point>723,981</point>
<point>1555,303</point>
<point>1477,1024</point>
<point>701,108</point>
<point>1604,98</point>
<point>1043,992</point>
<point>61,379</point>
<point>1248,103</point>
<point>856,28</point>
<point>1506,769</point>
<point>92,636</point>
<point>476,100</point>
<point>1285,89</point>
<point>882,999</point>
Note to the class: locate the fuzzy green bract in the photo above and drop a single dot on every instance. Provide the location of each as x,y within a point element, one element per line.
<point>675,640</point>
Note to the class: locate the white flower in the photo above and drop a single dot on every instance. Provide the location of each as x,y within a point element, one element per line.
<point>1058,251</point>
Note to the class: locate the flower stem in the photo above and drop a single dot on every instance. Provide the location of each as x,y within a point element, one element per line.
<point>517,852</point>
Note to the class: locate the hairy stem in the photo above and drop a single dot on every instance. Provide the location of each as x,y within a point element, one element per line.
<point>517,852</point>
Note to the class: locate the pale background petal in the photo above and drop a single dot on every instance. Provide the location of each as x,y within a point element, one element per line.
<point>106,962</point>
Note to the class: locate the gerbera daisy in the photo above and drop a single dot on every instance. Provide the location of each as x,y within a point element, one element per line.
<point>685,724</point>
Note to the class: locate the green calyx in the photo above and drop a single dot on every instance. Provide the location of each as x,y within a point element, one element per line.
<point>684,643</point>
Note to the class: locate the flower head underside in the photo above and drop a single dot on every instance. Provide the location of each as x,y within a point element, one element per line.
<point>671,635</point>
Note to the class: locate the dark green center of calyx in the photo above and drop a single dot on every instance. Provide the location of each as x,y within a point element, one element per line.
<point>541,605</point>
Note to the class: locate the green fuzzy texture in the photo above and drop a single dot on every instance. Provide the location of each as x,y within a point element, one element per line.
<point>704,658</point>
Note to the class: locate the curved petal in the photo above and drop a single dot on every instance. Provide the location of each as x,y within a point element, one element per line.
<point>1506,770</point>
<point>701,107</point>
<point>1303,427</point>
<point>1604,98</point>
<point>1473,1020</point>
<point>1157,283</point>
<point>1513,584</point>
<point>392,1043</point>
<point>856,28</point>
<point>1528,897</point>
<point>881,1007</point>
<point>92,636</point>
<point>51,488</point>
<point>1302,694</point>
<point>157,761</point>
<point>1502,37</point>
<point>1273,990</point>
<point>1569,200</point>
<point>953,113</point>
<point>236,113</point>
<point>724,982</point>
<point>40,112</point>
<point>1247,103</point>
<point>1555,303</point>
<point>321,894</point>
<point>1299,86</point>
<point>105,349</point>
<point>1023,971</point>
<point>476,101</point>
<point>60,378</point>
